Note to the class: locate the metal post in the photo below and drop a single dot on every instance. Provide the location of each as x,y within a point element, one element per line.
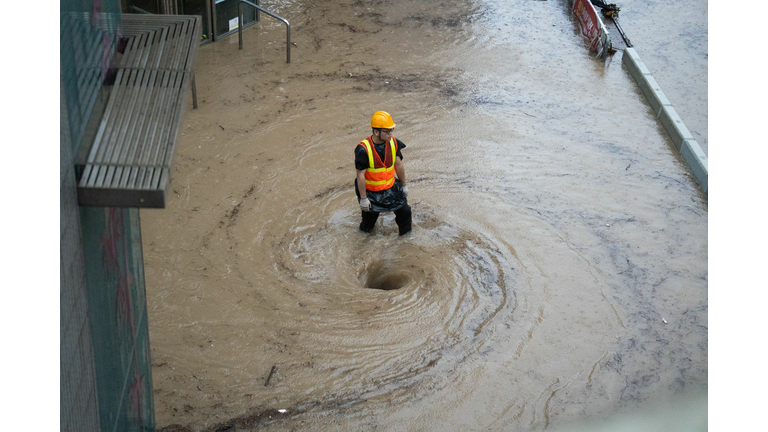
<point>240,24</point>
<point>194,91</point>
<point>259,8</point>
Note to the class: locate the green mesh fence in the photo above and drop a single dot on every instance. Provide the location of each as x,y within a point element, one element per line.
<point>118,314</point>
<point>89,30</point>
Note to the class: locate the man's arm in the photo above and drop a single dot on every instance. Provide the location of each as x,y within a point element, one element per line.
<point>399,169</point>
<point>361,183</point>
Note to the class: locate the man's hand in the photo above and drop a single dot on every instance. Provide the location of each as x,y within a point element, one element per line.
<point>365,204</point>
<point>405,190</point>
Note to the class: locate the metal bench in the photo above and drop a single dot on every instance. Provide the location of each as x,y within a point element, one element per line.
<point>130,161</point>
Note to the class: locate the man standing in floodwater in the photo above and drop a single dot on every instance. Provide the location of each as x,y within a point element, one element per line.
<point>377,159</point>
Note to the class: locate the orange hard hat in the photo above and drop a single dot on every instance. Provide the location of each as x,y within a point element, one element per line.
<point>382,120</point>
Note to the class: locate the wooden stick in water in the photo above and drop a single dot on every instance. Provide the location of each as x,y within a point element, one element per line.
<point>270,375</point>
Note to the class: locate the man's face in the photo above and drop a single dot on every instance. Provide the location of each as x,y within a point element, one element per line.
<point>385,134</point>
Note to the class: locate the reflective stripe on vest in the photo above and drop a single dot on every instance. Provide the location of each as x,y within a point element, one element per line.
<point>379,176</point>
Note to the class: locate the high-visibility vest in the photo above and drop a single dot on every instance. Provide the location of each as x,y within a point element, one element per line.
<point>380,175</point>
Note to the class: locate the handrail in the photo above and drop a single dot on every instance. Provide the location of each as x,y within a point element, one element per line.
<point>259,8</point>
<point>140,10</point>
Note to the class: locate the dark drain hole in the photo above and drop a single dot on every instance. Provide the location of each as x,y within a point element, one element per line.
<point>387,283</point>
<point>382,278</point>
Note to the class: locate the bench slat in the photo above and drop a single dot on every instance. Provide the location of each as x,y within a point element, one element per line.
<point>129,163</point>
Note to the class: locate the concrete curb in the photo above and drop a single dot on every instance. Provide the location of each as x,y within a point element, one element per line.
<point>681,137</point>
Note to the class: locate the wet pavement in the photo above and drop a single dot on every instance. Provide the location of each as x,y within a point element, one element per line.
<point>672,39</point>
<point>556,273</point>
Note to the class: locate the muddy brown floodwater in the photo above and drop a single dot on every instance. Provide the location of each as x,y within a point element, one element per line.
<point>556,273</point>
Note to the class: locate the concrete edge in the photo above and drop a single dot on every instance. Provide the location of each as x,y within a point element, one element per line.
<point>697,161</point>
<point>652,92</point>
<point>673,125</point>
<point>632,61</point>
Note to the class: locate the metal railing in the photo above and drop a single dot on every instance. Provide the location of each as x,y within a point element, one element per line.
<point>259,8</point>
